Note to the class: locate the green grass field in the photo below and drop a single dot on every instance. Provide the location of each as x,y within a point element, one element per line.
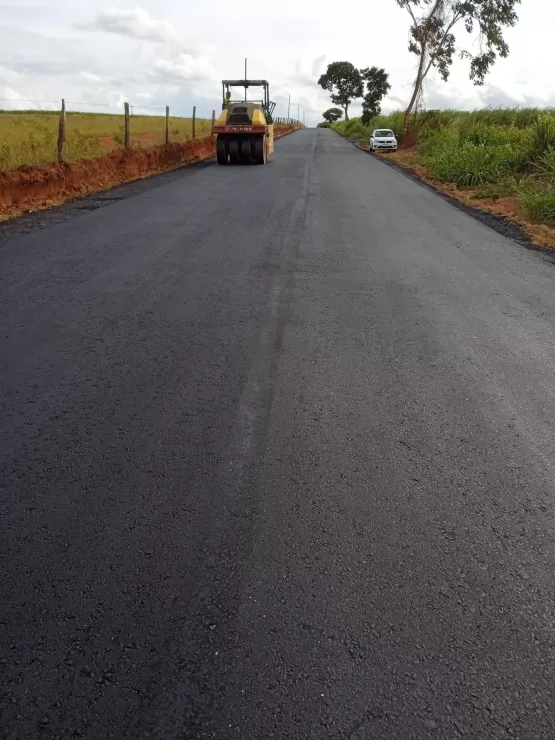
<point>506,151</point>
<point>30,138</point>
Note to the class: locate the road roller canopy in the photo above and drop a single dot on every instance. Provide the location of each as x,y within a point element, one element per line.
<point>245,84</point>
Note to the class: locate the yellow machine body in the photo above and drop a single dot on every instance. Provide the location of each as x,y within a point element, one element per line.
<point>244,130</point>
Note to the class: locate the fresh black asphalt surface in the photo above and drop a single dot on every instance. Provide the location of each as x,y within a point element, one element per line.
<point>277,461</point>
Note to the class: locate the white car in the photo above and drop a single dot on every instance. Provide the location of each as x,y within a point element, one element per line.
<point>383,138</point>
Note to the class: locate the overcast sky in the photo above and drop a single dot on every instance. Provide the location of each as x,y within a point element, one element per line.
<point>175,52</point>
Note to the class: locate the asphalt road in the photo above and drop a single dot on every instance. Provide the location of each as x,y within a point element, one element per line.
<point>277,461</point>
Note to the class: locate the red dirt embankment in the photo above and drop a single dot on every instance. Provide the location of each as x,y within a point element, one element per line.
<point>34,188</point>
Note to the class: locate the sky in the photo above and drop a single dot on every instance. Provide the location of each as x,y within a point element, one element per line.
<point>97,54</point>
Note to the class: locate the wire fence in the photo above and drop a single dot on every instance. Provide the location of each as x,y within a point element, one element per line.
<point>66,133</point>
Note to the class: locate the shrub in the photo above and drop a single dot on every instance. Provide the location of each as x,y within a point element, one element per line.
<point>355,129</point>
<point>494,135</point>
<point>543,138</point>
<point>538,200</point>
<point>469,165</point>
<point>339,127</point>
<point>81,146</point>
<point>437,139</point>
<point>435,120</point>
<point>352,129</point>
<point>545,166</point>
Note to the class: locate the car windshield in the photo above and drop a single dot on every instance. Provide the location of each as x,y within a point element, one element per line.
<point>384,132</point>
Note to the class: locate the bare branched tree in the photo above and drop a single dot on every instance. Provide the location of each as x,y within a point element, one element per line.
<point>432,36</point>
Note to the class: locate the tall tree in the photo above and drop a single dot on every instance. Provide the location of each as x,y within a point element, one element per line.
<point>332,115</point>
<point>432,36</point>
<point>377,87</point>
<point>344,81</point>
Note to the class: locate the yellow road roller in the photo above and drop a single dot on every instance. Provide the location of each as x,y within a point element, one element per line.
<point>244,131</point>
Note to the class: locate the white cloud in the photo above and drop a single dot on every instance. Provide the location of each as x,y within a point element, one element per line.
<point>6,73</point>
<point>17,100</point>
<point>90,77</point>
<point>135,23</point>
<point>183,67</point>
<point>30,54</point>
<point>14,100</point>
<point>319,67</point>
<point>301,76</point>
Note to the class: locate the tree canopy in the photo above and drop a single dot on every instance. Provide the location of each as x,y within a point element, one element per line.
<point>332,115</point>
<point>377,86</point>
<point>344,81</point>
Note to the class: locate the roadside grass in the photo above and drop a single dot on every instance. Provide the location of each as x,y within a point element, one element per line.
<point>498,152</point>
<point>519,118</point>
<point>30,137</point>
<point>538,200</point>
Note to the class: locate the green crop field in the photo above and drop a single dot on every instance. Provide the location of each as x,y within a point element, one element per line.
<point>501,151</point>
<point>30,138</point>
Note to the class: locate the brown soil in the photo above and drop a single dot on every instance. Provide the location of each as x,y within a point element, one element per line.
<point>107,143</point>
<point>507,206</point>
<point>407,141</point>
<point>146,140</point>
<point>34,188</point>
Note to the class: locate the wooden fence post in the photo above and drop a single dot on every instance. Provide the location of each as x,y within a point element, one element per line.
<point>194,122</point>
<point>62,132</point>
<point>167,124</point>
<point>213,121</point>
<point>126,126</point>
